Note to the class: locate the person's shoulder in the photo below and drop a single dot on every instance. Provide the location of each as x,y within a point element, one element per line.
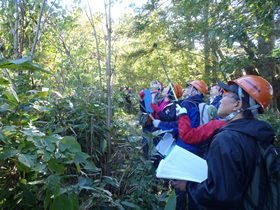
<point>226,137</point>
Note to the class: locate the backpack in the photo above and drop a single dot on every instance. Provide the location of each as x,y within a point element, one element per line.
<point>264,190</point>
<point>206,113</point>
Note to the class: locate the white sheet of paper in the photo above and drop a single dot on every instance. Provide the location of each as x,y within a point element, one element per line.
<point>159,132</point>
<point>165,144</point>
<point>182,165</point>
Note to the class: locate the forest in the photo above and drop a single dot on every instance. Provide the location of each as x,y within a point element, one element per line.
<point>67,139</point>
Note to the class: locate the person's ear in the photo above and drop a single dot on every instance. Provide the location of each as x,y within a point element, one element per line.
<point>238,105</point>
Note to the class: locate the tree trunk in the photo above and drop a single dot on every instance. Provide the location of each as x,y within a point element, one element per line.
<point>16,50</point>
<point>108,75</point>
<point>266,64</point>
<point>91,19</point>
<point>38,28</point>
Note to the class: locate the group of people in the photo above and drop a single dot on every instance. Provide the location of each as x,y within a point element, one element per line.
<point>227,143</point>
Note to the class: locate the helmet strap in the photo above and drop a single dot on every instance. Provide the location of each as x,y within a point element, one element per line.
<point>253,106</point>
<point>231,115</point>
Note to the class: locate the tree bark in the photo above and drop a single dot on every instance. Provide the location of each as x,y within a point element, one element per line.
<point>108,75</point>
<point>16,49</point>
<point>38,28</point>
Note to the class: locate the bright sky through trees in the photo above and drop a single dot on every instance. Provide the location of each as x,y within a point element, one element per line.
<point>119,7</point>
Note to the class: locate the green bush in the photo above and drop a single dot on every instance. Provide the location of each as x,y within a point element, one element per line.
<point>273,119</point>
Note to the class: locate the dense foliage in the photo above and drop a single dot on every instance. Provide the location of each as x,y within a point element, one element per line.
<point>54,92</point>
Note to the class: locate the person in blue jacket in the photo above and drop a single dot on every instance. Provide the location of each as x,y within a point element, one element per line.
<point>231,157</point>
<point>215,96</point>
<point>194,94</point>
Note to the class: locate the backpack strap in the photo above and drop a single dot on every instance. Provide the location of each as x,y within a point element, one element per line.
<point>201,114</point>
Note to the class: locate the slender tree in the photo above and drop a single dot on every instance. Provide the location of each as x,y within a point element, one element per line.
<point>108,75</point>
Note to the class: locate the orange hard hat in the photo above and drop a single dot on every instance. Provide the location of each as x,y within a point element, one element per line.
<point>178,90</point>
<point>199,85</point>
<point>257,87</point>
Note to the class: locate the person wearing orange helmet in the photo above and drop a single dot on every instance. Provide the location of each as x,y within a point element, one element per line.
<point>194,95</point>
<point>233,150</point>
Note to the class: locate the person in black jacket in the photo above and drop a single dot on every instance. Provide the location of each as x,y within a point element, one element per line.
<point>231,156</point>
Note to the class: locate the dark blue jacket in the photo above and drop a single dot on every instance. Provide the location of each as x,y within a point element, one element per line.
<point>217,101</point>
<point>231,161</point>
<point>191,104</point>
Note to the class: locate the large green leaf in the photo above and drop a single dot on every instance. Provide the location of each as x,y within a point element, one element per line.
<point>80,157</point>
<point>5,108</point>
<point>89,165</point>
<point>21,64</point>
<point>6,130</point>
<point>5,154</point>
<point>27,160</point>
<point>32,132</point>
<point>70,143</point>
<point>69,202</point>
<point>55,166</point>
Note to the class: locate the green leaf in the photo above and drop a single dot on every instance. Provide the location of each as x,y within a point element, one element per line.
<point>89,165</point>
<point>53,184</point>
<point>14,93</point>
<point>4,82</point>
<point>5,108</point>
<point>32,132</point>
<point>46,156</point>
<point>80,157</point>
<point>129,204</point>
<point>27,160</point>
<point>3,138</point>
<point>55,166</point>
<point>43,94</point>
<point>6,130</point>
<point>69,202</point>
<point>21,64</point>
<point>41,108</point>
<point>103,145</point>
<point>70,143</point>
<point>110,180</point>
<point>8,154</point>
<point>171,202</point>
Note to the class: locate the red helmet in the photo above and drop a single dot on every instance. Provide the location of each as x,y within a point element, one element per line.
<point>257,87</point>
<point>200,86</point>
